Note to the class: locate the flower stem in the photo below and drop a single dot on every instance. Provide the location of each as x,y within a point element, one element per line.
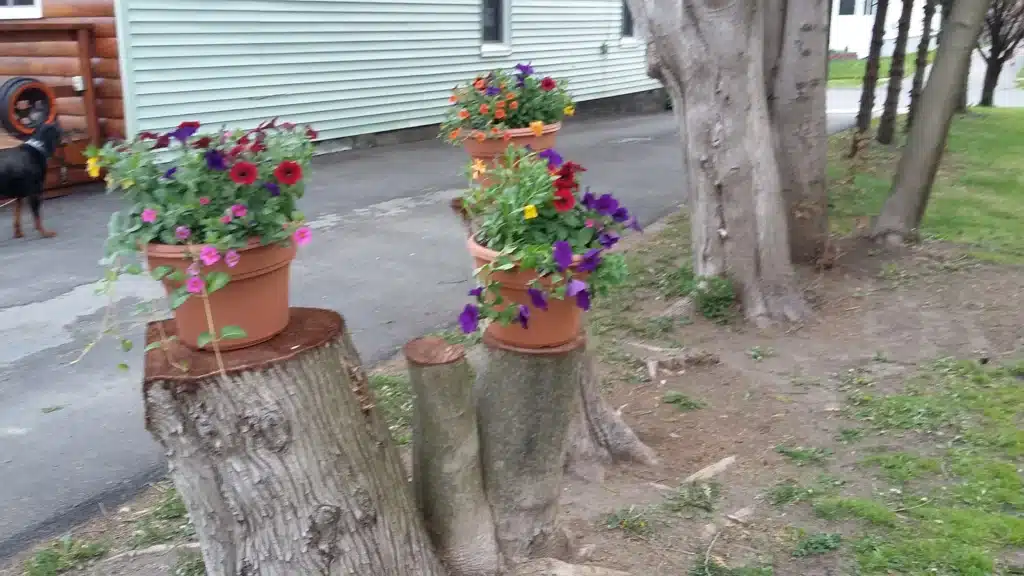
<point>215,341</point>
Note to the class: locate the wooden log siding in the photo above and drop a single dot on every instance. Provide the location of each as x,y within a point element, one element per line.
<point>39,56</point>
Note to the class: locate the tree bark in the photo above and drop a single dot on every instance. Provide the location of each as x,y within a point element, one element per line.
<point>447,475</point>
<point>887,124</point>
<point>711,53</point>
<point>282,462</point>
<point>526,401</point>
<point>923,48</point>
<point>993,68</point>
<point>904,208</point>
<point>867,94</point>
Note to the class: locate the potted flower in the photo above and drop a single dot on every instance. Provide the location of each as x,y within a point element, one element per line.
<point>215,216</point>
<point>502,107</point>
<point>543,249</point>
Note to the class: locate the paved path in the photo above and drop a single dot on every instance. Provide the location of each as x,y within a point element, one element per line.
<point>387,253</point>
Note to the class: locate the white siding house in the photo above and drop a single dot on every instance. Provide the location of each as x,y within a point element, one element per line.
<point>852,21</point>
<point>354,67</point>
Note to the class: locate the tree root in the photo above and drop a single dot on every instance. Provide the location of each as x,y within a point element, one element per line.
<point>552,567</point>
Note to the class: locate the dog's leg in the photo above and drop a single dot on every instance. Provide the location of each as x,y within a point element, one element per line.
<point>36,203</point>
<point>17,218</point>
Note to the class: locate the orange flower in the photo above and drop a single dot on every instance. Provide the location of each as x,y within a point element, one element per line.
<point>495,131</point>
<point>454,135</point>
<point>479,84</point>
<point>500,104</point>
<point>480,136</point>
<point>537,127</point>
<point>510,96</point>
<point>514,105</point>
<point>464,114</point>
<point>499,114</point>
<point>506,136</point>
<point>484,108</point>
<point>453,99</point>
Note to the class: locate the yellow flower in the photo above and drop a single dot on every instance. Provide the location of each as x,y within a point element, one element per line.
<point>126,184</point>
<point>537,127</point>
<point>479,169</point>
<point>529,212</point>
<point>569,110</point>
<point>92,166</point>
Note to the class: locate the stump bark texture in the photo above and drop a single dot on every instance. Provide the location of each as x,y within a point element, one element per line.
<point>282,462</point>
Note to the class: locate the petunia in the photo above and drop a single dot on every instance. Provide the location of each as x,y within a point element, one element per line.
<point>231,258</point>
<point>170,173</point>
<point>209,255</point>
<point>215,160</point>
<point>185,131</point>
<point>204,201</point>
<point>469,320</point>
<point>524,316</point>
<point>554,158</point>
<point>620,215</point>
<point>274,189</point>
<point>225,219</point>
<point>607,239</point>
<point>524,69</point>
<point>583,300</point>
<point>476,292</point>
<point>193,269</point>
<point>591,260</point>
<point>162,142</point>
<point>548,84</point>
<point>203,142</point>
<point>492,91</point>
<point>288,172</point>
<point>182,232</point>
<point>149,215</point>
<point>564,200</point>
<point>194,285</point>
<point>588,200</point>
<point>537,298</point>
<point>574,287</point>
<point>239,210</point>
<point>635,225</point>
<point>244,173</point>
<point>562,253</point>
<point>303,235</point>
<point>606,204</point>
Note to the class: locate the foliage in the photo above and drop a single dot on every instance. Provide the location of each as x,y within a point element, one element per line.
<point>530,212</point>
<point>393,395</point>
<point>802,455</point>
<point>630,520</point>
<point>699,495</point>
<point>713,296</point>
<point>682,401</point>
<point>500,100</point>
<point>711,567</point>
<point>62,555</point>
<point>817,544</point>
<point>189,564</point>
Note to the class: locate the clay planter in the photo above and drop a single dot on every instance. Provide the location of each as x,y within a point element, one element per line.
<point>256,298</point>
<point>558,325</point>
<point>493,148</point>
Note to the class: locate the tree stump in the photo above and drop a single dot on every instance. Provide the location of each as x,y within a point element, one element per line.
<point>526,401</point>
<point>446,458</point>
<point>282,462</point>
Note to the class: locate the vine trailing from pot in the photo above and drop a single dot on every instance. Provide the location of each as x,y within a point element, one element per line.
<point>216,217</point>
<point>543,248</point>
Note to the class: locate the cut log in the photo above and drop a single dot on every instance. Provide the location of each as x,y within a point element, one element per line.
<point>526,401</point>
<point>447,476</point>
<point>282,461</point>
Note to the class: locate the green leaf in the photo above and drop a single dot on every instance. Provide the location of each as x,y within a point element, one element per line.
<point>126,345</point>
<point>232,333</point>
<point>216,280</point>
<point>122,366</point>
<point>176,276</point>
<point>204,339</point>
<point>178,297</point>
<point>154,345</point>
<point>161,272</point>
<point>134,269</point>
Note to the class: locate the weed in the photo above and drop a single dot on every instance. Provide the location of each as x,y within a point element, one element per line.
<point>394,399</point>
<point>61,555</point>
<point>714,568</point>
<point>902,467</point>
<point>682,401</point>
<point>836,508</point>
<point>849,435</point>
<point>788,492</point>
<point>52,409</point>
<point>713,296</point>
<point>459,337</point>
<point>189,564</point>
<point>170,507</point>
<point>698,495</point>
<point>801,455</point>
<point>630,520</point>
<point>817,544</point>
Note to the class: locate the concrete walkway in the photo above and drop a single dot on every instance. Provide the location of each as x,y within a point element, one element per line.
<point>387,253</point>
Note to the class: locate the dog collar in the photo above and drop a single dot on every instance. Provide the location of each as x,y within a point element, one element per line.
<point>37,145</point>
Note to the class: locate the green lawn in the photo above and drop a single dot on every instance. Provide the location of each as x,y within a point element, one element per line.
<point>978,198</point>
<point>850,73</point>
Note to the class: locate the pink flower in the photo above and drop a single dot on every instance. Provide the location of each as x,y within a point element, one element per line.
<point>149,215</point>
<point>590,223</point>
<point>239,211</point>
<point>209,255</point>
<point>193,269</point>
<point>302,236</point>
<point>182,232</point>
<point>204,201</point>
<point>194,285</point>
<point>225,219</point>
<point>232,258</point>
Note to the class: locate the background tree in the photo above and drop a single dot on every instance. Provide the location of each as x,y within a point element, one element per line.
<point>1002,33</point>
<point>921,64</point>
<point>961,99</point>
<point>867,94</point>
<point>747,81</point>
<point>887,124</point>
<point>904,208</point>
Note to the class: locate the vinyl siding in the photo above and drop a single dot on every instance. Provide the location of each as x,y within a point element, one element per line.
<point>350,67</point>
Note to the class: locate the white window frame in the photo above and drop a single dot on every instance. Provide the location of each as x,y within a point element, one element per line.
<point>631,39</point>
<point>33,12</point>
<point>503,46</point>
<point>870,6</point>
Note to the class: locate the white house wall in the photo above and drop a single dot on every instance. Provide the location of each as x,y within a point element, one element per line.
<point>351,67</point>
<point>853,32</point>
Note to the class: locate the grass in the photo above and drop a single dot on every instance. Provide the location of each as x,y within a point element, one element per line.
<point>712,567</point>
<point>681,401</point>
<point>976,200</point>
<point>817,544</point>
<point>698,496</point>
<point>62,555</point>
<point>850,73</point>
<point>802,456</point>
<point>393,395</point>
<point>189,564</point>
<point>632,521</point>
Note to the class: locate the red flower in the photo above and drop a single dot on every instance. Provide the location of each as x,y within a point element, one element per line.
<point>147,136</point>
<point>570,168</point>
<point>236,150</point>
<point>257,147</point>
<point>564,200</point>
<point>310,133</point>
<point>162,142</point>
<point>286,126</point>
<point>272,123</point>
<point>244,173</point>
<point>548,84</point>
<point>192,125</point>
<point>244,140</point>
<point>203,142</point>
<point>288,172</point>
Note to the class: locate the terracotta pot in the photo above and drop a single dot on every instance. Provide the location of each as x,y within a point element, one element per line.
<point>256,298</point>
<point>559,324</point>
<point>493,148</point>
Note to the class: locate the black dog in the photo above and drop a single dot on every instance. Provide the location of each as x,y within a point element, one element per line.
<point>23,174</point>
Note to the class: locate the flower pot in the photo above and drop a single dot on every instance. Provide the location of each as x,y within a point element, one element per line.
<point>559,324</point>
<point>256,298</point>
<point>492,148</point>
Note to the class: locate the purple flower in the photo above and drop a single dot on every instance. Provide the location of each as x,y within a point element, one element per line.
<point>575,287</point>
<point>170,173</point>
<point>607,239</point>
<point>554,158</point>
<point>606,204</point>
<point>537,298</point>
<point>492,91</point>
<point>588,200</point>
<point>591,260</point>
<point>524,316</point>
<point>476,292</point>
<point>469,320</point>
<point>621,215</point>
<point>274,189</point>
<point>182,232</point>
<point>562,253</point>
<point>635,225</point>
<point>215,160</point>
<point>583,300</point>
<point>524,69</point>
<point>183,133</point>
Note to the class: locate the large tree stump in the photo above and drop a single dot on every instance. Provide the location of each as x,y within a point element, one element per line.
<point>446,458</point>
<point>282,462</point>
<point>526,402</point>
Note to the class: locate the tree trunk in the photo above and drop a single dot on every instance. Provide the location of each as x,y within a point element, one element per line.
<point>887,124</point>
<point>923,47</point>
<point>447,476</point>
<point>904,208</point>
<point>282,462</point>
<point>993,68</point>
<point>526,401</point>
<point>796,74</point>
<point>867,94</point>
<point>962,95</point>
<point>711,56</point>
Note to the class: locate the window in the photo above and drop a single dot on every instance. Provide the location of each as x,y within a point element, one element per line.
<point>870,6</point>
<point>846,7</point>
<point>19,9</point>
<point>627,21</point>
<point>494,21</point>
